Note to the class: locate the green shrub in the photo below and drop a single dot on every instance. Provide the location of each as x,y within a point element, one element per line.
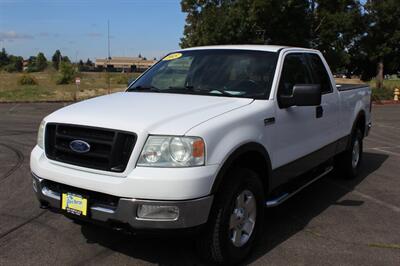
<point>27,80</point>
<point>382,94</point>
<point>66,74</point>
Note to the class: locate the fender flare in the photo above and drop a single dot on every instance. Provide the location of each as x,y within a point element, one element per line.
<point>228,164</point>
<point>360,115</point>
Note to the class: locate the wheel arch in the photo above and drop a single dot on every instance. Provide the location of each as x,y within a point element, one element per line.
<point>359,122</point>
<point>251,155</point>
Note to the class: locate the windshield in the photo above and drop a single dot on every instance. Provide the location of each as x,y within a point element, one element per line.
<point>234,73</point>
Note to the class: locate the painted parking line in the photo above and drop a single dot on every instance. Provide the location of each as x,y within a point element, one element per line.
<point>378,141</point>
<point>386,126</point>
<point>368,197</point>
<point>13,108</point>
<point>388,152</point>
<point>384,147</point>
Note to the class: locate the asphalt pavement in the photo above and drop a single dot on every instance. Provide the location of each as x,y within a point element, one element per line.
<point>333,222</point>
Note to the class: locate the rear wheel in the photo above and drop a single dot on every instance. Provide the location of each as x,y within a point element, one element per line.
<point>348,162</point>
<point>235,219</point>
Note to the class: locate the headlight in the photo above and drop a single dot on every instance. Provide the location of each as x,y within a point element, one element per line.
<point>40,136</point>
<point>170,151</point>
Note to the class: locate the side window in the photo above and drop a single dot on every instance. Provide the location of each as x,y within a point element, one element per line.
<point>294,72</point>
<point>320,75</point>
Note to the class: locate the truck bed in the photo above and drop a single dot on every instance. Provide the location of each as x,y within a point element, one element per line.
<point>347,87</point>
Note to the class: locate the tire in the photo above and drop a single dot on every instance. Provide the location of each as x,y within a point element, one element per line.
<point>220,242</point>
<point>348,162</point>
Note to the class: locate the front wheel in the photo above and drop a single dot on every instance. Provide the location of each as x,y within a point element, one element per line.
<point>348,162</point>
<point>235,219</point>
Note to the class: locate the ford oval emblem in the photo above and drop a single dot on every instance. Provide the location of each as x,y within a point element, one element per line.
<point>79,146</point>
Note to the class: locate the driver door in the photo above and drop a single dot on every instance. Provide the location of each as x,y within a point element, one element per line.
<point>297,129</point>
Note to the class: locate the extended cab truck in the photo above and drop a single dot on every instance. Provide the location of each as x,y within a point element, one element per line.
<point>206,138</point>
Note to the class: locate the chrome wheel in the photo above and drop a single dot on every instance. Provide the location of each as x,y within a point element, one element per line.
<point>355,153</point>
<point>243,218</point>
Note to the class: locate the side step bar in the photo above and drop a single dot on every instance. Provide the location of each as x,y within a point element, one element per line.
<point>285,196</point>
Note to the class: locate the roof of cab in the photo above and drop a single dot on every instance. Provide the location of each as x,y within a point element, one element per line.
<point>267,48</point>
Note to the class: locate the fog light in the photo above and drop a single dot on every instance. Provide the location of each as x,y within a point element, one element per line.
<point>158,212</point>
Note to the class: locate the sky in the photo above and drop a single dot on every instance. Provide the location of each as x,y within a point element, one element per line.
<point>79,27</point>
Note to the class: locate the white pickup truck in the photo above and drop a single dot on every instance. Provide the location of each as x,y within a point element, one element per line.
<point>206,139</point>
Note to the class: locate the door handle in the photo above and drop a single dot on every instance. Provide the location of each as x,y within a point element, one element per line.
<point>319,111</point>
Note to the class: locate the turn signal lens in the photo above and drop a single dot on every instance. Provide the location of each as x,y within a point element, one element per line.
<point>198,148</point>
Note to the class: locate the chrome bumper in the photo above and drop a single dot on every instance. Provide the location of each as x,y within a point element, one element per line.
<point>191,212</point>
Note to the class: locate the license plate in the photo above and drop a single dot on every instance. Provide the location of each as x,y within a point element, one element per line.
<point>73,203</point>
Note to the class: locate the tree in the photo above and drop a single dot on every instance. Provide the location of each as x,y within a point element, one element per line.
<point>359,37</point>
<point>31,67</point>
<point>56,59</point>
<point>380,49</point>
<point>66,73</point>
<point>65,59</point>
<point>15,64</point>
<point>4,60</point>
<point>81,66</point>
<point>41,62</point>
<point>89,63</point>
<point>245,21</point>
<point>336,27</point>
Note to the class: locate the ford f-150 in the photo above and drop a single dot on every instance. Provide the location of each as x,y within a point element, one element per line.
<point>205,139</point>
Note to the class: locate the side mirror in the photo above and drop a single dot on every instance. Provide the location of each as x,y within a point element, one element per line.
<point>303,95</point>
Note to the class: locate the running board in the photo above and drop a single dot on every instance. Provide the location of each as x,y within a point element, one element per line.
<point>285,196</point>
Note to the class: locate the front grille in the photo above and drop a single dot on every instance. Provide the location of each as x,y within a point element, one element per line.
<point>110,150</point>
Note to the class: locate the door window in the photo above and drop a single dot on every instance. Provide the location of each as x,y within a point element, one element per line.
<point>320,75</point>
<point>294,71</point>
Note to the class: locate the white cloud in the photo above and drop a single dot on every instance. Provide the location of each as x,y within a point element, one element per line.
<point>12,35</point>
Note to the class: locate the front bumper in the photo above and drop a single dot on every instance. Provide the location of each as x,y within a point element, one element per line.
<point>107,208</point>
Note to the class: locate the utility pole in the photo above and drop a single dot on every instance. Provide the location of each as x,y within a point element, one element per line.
<point>108,39</point>
<point>109,56</point>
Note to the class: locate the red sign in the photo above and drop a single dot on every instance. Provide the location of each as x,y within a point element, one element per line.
<point>77,81</point>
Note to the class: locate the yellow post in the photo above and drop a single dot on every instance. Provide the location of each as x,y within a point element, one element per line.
<point>396,94</point>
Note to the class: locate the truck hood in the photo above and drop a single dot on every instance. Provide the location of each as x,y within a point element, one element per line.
<point>150,113</point>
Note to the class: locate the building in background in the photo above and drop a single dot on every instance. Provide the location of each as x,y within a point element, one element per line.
<point>124,64</point>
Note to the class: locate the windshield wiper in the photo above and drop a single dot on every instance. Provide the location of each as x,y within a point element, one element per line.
<point>210,91</point>
<point>145,88</point>
<point>187,88</point>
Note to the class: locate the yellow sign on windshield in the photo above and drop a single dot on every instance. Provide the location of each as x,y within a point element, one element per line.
<point>172,56</point>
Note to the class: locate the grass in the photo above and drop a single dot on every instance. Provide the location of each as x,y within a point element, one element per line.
<point>386,93</point>
<point>96,83</point>
<point>92,84</point>
<point>383,245</point>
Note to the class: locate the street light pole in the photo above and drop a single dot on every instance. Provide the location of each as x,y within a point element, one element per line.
<point>109,56</point>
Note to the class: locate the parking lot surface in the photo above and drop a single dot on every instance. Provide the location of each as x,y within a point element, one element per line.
<point>333,222</point>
